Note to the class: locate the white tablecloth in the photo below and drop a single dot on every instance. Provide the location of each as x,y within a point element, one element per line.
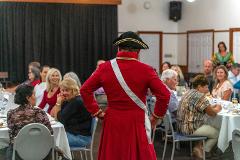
<point>60,138</point>
<point>226,123</point>
<point>10,102</point>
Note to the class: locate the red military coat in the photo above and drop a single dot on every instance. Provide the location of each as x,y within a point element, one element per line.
<point>123,134</point>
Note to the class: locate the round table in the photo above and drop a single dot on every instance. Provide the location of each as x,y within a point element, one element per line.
<point>226,122</point>
<point>59,133</point>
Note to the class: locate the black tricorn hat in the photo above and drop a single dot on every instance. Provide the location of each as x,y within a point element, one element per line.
<point>130,40</point>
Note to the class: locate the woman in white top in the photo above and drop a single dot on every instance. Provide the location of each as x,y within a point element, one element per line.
<point>41,87</point>
<point>223,88</point>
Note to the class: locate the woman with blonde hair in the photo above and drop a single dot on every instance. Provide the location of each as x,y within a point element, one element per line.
<point>73,76</point>
<point>53,79</point>
<point>181,80</point>
<point>223,88</point>
<point>71,112</point>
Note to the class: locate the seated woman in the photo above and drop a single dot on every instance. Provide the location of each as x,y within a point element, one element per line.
<point>223,88</point>
<point>181,80</point>
<point>24,114</point>
<point>73,76</point>
<point>49,99</point>
<point>166,65</point>
<point>33,76</point>
<point>71,112</point>
<point>191,112</point>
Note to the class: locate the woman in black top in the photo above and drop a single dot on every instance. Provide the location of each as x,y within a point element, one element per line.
<point>70,111</point>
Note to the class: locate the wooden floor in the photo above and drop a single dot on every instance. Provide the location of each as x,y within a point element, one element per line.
<point>182,154</point>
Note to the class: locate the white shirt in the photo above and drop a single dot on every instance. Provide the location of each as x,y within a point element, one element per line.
<point>39,91</point>
<point>233,79</point>
<point>218,92</point>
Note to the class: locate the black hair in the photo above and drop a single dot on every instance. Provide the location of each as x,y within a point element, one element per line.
<point>44,66</point>
<point>199,80</point>
<point>23,91</point>
<point>130,49</point>
<point>224,45</point>
<point>168,63</point>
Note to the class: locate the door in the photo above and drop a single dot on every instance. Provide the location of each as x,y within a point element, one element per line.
<point>200,48</point>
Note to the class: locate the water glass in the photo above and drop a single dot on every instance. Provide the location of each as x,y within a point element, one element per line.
<point>234,101</point>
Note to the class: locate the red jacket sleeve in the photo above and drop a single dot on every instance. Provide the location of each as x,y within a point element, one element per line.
<point>43,102</point>
<point>161,92</point>
<point>88,88</point>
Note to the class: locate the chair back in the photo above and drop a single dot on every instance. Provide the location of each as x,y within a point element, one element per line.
<point>167,121</point>
<point>236,143</point>
<point>33,142</point>
<point>93,129</point>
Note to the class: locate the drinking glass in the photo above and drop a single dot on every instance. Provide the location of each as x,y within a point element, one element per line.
<point>235,101</point>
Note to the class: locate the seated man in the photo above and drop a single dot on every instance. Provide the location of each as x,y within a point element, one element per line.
<point>191,112</point>
<point>169,77</point>
<point>207,71</point>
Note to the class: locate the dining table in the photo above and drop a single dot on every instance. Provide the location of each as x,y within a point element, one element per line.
<point>60,136</point>
<point>227,120</point>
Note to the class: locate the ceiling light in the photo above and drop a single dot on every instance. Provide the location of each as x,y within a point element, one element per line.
<point>190,0</point>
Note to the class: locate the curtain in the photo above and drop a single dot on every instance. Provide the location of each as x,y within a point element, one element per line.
<point>70,37</point>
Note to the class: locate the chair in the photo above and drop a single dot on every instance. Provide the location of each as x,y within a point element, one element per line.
<point>151,100</point>
<point>236,143</point>
<point>177,137</point>
<point>33,142</point>
<point>3,77</point>
<point>87,148</point>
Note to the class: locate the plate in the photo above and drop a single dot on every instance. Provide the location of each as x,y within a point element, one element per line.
<point>3,116</point>
<point>3,126</point>
<point>53,122</point>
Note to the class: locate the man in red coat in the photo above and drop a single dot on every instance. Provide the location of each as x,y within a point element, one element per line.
<point>124,135</point>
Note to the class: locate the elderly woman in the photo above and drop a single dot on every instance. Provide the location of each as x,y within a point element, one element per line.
<point>71,112</point>
<point>25,113</point>
<point>223,88</point>
<point>49,100</point>
<point>73,76</point>
<point>169,77</point>
<point>181,80</point>
<point>191,112</point>
<point>33,76</point>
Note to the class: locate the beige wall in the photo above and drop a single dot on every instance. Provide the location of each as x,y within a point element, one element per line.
<point>133,16</point>
<point>202,14</point>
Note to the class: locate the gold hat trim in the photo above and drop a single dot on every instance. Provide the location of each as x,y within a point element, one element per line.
<point>130,39</point>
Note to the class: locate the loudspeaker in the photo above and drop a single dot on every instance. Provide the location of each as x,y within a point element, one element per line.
<point>175,10</point>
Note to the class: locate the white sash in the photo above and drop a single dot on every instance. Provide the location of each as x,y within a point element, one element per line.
<point>133,96</point>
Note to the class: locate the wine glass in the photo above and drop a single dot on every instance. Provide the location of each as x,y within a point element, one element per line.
<point>235,101</point>
<point>4,105</point>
